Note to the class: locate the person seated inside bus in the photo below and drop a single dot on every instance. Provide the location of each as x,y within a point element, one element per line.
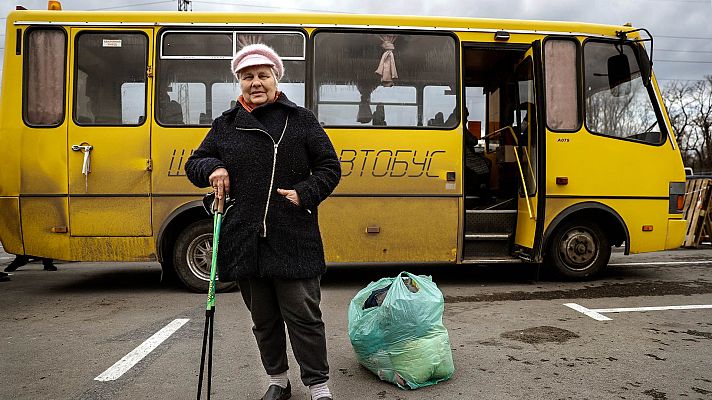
<point>204,119</point>
<point>364,114</point>
<point>451,120</point>
<point>170,110</point>
<point>379,116</point>
<point>437,120</point>
<point>477,166</point>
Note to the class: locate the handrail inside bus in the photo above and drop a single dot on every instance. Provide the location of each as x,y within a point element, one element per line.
<point>509,129</point>
<point>498,131</point>
<point>529,160</point>
<point>524,183</point>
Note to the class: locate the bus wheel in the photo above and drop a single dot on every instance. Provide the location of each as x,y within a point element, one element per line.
<point>192,256</point>
<point>578,249</point>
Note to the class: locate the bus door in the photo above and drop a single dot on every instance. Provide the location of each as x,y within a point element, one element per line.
<point>528,122</point>
<point>108,134</point>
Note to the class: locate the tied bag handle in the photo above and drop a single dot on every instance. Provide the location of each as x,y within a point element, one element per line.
<point>400,286</point>
<point>409,281</point>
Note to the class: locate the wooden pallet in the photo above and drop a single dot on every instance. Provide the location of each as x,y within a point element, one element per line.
<point>698,211</point>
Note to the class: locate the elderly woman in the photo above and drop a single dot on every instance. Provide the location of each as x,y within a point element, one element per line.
<point>276,161</point>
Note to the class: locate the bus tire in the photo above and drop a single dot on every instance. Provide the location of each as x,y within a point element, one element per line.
<point>578,249</point>
<point>192,256</point>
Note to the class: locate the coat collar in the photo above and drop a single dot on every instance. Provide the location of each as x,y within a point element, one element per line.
<point>242,119</point>
<point>239,112</point>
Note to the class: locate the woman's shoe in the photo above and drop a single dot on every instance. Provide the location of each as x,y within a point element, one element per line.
<point>276,392</point>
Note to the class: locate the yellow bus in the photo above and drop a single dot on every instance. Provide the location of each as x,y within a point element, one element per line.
<point>462,141</point>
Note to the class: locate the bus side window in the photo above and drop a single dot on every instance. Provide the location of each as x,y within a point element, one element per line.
<point>194,72</point>
<point>45,60</point>
<point>562,99</point>
<point>406,79</point>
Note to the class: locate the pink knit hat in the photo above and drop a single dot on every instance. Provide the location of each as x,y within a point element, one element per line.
<point>257,54</point>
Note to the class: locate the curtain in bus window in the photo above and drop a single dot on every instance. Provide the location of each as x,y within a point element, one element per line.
<point>561,85</point>
<point>622,107</point>
<point>349,90</point>
<point>110,78</point>
<point>45,77</point>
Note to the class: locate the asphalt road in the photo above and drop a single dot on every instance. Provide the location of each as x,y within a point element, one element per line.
<point>510,333</point>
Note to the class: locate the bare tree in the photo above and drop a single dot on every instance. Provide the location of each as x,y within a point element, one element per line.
<point>689,106</point>
<point>625,114</point>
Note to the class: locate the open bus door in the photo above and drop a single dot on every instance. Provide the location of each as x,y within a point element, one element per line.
<point>529,152</point>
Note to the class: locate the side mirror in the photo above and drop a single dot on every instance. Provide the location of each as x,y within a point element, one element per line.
<point>619,75</point>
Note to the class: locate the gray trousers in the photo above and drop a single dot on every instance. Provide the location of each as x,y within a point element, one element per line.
<point>294,302</point>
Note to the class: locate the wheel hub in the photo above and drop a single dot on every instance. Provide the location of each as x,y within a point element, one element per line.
<point>200,255</point>
<point>578,249</point>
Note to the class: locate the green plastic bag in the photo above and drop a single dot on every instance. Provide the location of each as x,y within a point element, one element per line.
<point>402,340</point>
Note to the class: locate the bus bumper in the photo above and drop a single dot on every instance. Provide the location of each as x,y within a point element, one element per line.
<point>675,233</point>
<point>10,232</point>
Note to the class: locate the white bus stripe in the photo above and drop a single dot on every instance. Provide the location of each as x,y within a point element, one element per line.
<point>660,308</point>
<point>591,313</point>
<point>662,263</point>
<point>137,354</point>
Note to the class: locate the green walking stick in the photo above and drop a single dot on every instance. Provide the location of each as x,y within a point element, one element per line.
<point>218,211</point>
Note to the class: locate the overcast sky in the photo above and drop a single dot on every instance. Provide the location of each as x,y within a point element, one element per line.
<point>682,28</point>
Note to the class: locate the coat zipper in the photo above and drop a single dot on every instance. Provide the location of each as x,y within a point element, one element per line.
<point>274,165</point>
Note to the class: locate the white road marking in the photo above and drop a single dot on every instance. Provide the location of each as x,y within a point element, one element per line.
<point>597,313</point>
<point>591,313</point>
<point>137,354</point>
<point>660,308</point>
<point>661,263</point>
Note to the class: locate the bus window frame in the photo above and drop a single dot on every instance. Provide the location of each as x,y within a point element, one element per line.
<point>579,81</point>
<point>158,56</point>
<point>25,63</point>
<point>234,32</point>
<point>75,70</point>
<point>311,102</point>
<point>649,89</point>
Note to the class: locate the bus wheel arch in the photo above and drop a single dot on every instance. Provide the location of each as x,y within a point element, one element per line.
<point>577,243</point>
<point>174,223</point>
<point>188,229</point>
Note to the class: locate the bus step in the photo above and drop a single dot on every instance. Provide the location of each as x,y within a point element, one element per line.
<point>490,221</point>
<point>486,248</point>
<point>487,236</point>
<point>492,260</point>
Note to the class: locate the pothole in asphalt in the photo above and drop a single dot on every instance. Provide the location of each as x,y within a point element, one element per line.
<point>706,335</point>
<point>540,334</point>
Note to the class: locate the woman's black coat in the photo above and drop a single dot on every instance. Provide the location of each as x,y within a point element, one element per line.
<point>264,234</point>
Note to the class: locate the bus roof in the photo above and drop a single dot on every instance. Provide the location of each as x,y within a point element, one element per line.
<point>87,18</point>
